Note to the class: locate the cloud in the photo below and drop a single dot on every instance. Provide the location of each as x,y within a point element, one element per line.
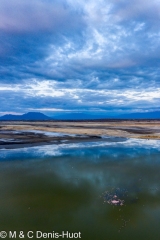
<point>138,10</point>
<point>22,16</point>
<point>48,96</point>
<point>79,55</point>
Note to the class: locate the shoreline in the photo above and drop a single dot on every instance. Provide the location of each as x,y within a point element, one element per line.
<point>20,134</point>
<point>31,144</point>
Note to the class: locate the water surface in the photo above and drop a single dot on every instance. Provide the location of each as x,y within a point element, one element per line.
<point>73,187</point>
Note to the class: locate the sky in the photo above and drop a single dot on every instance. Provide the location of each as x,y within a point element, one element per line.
<point>97,57</point>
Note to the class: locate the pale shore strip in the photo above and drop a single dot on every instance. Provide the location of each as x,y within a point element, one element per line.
<point>15,134</point>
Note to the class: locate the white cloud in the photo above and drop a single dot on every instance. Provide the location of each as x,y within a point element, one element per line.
<point>82,96</point>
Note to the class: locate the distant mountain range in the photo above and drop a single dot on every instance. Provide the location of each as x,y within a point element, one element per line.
<point>85,116</point>
<point>35,116</point>
<point>26,116</point>
<point>77,116</point>
<point>142,115</point>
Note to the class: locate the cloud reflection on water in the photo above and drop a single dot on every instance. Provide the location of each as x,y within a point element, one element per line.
<point>65,191</point>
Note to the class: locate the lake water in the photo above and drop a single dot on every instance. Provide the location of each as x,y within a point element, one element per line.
<point>106,190</point>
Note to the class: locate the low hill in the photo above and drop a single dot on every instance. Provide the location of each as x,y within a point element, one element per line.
<point>27,116</point>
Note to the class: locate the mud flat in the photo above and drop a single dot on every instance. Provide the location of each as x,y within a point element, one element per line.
<point>15,134</point>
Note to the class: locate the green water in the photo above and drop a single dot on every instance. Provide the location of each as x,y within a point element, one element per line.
<point>70,192</point>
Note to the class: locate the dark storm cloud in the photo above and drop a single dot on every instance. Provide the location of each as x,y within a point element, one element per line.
<point>22,16</point>
<point>79,55</point>
<point>26,30</point>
